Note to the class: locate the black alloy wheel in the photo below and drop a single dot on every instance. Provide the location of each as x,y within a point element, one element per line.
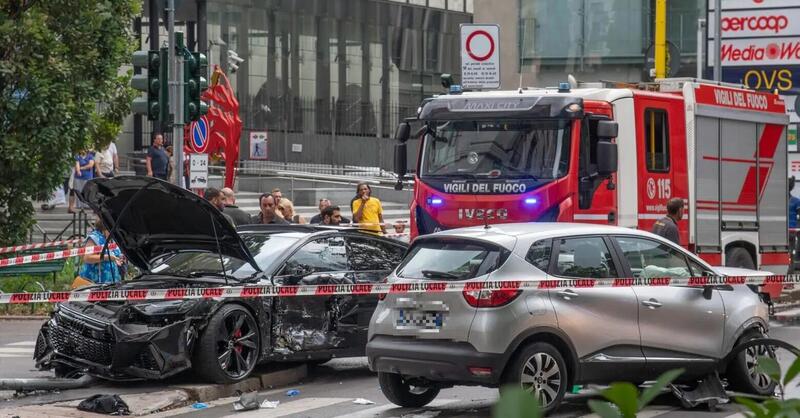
<point>229,348</point>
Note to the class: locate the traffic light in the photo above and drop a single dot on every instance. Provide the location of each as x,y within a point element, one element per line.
<point>195,66</point>
<point>154,84</point>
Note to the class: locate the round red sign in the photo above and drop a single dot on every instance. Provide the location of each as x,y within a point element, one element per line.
<point>473,54</point>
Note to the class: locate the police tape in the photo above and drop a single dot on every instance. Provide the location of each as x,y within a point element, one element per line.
<point>239,292</point>
<point>15,248</point>
<point>55,255</point>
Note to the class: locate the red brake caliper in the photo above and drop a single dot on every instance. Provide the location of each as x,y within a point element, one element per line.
<point>237,334</point>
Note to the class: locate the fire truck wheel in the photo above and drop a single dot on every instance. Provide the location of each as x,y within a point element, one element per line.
<point>739,257</point>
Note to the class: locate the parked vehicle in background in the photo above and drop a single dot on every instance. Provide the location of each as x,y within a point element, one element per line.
<point>179,240</point>
<point>610,155</point>
<point>548,340</point>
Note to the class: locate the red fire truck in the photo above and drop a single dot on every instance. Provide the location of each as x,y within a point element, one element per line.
<point>610,155</point>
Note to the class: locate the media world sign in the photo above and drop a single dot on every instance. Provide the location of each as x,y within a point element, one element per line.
<point>760,43</point>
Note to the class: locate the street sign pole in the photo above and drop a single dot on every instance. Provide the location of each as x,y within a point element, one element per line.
<point>661,39</point>
<point>177,128</point>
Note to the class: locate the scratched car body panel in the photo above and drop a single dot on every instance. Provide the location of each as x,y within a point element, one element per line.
<point>157,339</point>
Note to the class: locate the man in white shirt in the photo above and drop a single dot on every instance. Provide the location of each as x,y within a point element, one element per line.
<point>107,161</point>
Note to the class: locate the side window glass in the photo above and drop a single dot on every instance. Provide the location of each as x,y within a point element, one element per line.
<point>322,255</point>
<point>656,140</point>
<point>539,255</point>
<point>698,270</point>
<point>370,255</point>
<point>585,257</point>
<point>649,259</point>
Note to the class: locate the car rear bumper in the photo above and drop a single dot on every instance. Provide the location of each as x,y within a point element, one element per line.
<point>435,360</point>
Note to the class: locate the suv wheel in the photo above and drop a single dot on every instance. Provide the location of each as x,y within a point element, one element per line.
<point>401,393</point>
<point>540,369</point>
<point>743,375</point>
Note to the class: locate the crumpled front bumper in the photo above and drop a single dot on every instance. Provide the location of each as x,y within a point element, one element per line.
<point>112,351</point>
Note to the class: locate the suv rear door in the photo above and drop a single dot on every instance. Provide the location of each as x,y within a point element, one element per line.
<point>439,315</point>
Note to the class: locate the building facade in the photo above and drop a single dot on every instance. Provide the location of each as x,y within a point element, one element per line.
<point>317,71</point>
<point>545,40</point>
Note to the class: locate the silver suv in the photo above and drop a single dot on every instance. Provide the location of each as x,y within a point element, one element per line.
<point>548,340</point>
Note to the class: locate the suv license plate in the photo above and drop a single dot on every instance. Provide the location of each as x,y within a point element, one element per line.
<point>430,321</point>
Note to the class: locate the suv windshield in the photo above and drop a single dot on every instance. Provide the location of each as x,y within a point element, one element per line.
<point>536,149</point>
<point>450,260</point>
<point>265,248</point>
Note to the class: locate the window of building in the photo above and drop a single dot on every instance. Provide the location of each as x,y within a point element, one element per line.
<point>656,139</point>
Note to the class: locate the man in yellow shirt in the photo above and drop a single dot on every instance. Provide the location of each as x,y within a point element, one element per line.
<point>367,210</point>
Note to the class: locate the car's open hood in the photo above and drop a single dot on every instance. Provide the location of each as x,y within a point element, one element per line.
<point>161,218</point>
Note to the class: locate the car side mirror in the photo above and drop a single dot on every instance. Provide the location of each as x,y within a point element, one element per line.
<point>401,160</point>
<point>403,132</point>
<point>607,129</point>
<point>606,158</point>
<point>708,291</point>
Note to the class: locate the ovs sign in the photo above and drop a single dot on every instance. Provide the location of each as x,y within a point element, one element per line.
<point>767,78</point>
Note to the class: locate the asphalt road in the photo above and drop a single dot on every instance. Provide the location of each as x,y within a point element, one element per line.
<point>331,389</point>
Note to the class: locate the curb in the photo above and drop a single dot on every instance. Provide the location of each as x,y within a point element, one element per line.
<point>170,397</point>
<point>23,317</point>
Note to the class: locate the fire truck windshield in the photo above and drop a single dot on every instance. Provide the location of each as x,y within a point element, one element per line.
<point>533,149</point>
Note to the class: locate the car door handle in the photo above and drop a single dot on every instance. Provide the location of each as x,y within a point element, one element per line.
<point>567,294</point>
<point>652,303</point>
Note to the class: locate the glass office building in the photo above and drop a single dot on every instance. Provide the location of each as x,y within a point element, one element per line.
<point>350,66</point>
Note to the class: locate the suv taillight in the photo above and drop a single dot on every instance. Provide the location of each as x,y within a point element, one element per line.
<point>490,298</point>
<point>382,296</point>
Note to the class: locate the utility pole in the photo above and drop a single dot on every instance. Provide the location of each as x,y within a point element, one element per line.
<point>661,39</point>
<point>717,40</point>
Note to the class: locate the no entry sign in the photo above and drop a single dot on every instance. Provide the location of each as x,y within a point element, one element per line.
<point>480,56</point>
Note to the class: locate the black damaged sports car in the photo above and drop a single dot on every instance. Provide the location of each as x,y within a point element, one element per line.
<point>178,240</point>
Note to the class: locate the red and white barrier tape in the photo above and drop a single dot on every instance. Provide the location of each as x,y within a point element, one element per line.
<point>375,289</point>
<point>4,250</point>
<point>56,255</point>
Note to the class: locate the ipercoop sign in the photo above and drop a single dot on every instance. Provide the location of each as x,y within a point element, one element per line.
<point>760,43</point>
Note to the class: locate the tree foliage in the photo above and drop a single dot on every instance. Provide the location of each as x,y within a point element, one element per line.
<point>61,90</point>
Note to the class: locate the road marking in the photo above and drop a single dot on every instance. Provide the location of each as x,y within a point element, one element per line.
<point>293,407</point>
<point>648,412</point>
<point>375,411</point>
<point>23,343</point>
<point>14,350</point>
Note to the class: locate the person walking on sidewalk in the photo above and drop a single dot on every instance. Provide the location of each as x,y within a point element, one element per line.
<point>84,171</point>
<point>667,226</point>
<point>367,210</point>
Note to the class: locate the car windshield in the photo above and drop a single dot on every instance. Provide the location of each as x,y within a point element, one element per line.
<point>536,149</point>
<point>450,260</point>
<point>265,248</point>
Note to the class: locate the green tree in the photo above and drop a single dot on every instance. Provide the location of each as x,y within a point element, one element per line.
<point>61,90</point>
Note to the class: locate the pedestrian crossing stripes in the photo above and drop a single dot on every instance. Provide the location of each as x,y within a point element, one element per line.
<point>21,349</point>
<point>333,407</point>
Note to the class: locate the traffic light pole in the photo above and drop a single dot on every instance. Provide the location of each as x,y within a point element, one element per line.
<point>177,127</point>
<point>176,91</point>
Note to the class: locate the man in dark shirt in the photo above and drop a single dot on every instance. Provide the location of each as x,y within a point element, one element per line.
<point>667,226</point>
<point>331,216</point>
<point>317,219</point>
<point>216,198</point>
<point>157,159</point>
<point>239,216</point>
<point>267,214</point>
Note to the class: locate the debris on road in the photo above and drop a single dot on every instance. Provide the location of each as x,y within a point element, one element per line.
<point>199,405</point>
<point>362,401</point>
<point>104,404</point>
<point>292,392</point>
<point>247,402</point>
<point>267,404</point>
